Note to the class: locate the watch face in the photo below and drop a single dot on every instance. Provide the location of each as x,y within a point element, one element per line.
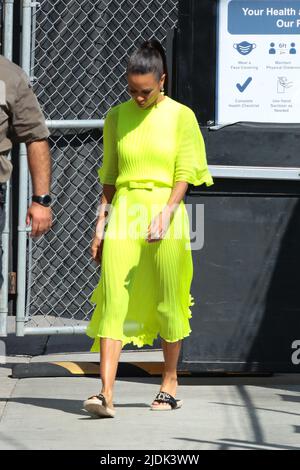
<point>47,199</point>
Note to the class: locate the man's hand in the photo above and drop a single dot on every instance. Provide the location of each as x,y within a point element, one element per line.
<point>40,218</point>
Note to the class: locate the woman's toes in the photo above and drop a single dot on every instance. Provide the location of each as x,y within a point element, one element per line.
<point>160,405</point>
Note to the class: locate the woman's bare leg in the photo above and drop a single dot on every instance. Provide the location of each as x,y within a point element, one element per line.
<point>169,378</point>
<point>109,359</point>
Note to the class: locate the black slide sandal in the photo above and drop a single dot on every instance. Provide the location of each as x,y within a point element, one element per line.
<point>164,397</point>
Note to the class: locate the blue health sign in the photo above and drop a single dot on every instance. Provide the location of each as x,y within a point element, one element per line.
<point>264,17</point>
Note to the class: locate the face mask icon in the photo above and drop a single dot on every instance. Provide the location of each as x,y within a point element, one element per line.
<point>244,47</point>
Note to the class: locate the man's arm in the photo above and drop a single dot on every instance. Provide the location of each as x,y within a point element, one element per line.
<point>28,125</point>
<point>39,162</point>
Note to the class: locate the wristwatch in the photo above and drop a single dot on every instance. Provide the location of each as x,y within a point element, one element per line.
<point>45,200</point>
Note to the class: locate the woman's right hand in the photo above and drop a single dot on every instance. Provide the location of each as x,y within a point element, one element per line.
<point>97,242</point>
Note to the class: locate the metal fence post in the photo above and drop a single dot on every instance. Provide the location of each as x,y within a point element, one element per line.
<point>23,189</point>
<point>7,52</point>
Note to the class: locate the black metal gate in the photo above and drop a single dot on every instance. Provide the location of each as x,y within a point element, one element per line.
<point>246,316</point>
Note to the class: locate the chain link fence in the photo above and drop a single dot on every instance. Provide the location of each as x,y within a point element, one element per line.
<point>79,55</point>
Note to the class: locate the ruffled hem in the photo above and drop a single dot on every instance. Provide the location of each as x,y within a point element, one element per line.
<point>205,179</point>
<point>141,340</point>
<point>138,341</point>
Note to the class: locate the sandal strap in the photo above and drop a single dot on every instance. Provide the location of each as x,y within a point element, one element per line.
<point>100,397</point>
<point>164,397</point>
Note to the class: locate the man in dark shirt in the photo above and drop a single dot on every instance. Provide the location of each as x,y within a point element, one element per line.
<point>21,120</point>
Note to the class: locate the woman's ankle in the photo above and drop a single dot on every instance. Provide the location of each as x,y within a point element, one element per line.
<point>170,376</point>
<point>107,392</point>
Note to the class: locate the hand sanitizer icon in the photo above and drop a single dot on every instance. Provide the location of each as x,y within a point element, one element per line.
<point>283,84</point>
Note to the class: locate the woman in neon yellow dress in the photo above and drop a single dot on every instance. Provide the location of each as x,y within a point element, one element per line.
<point>153,148</point>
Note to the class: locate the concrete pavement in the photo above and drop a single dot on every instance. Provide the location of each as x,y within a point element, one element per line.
<point>218,412</point>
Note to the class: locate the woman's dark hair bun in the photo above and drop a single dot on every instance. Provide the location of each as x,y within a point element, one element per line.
<point>151,44</point>
<point>155,45</point>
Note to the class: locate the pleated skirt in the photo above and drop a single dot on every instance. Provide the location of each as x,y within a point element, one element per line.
<point>144,288</point>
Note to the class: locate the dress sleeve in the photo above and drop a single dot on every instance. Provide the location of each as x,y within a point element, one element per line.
<point>190,163</point>
<point>108,172</point>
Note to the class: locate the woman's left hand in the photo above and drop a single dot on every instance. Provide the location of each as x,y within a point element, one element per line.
<point>159,225</point>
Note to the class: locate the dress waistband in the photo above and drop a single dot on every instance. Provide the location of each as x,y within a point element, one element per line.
<point>143,184</point>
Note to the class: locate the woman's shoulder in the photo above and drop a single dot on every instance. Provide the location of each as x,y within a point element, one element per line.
<point>186,110</point>
<point>113,111</point>
<point>116,108</point>
<point>186,118</point>
<point>182,109</point>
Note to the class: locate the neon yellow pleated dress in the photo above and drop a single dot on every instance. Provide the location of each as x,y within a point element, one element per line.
<point>144,288</point>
